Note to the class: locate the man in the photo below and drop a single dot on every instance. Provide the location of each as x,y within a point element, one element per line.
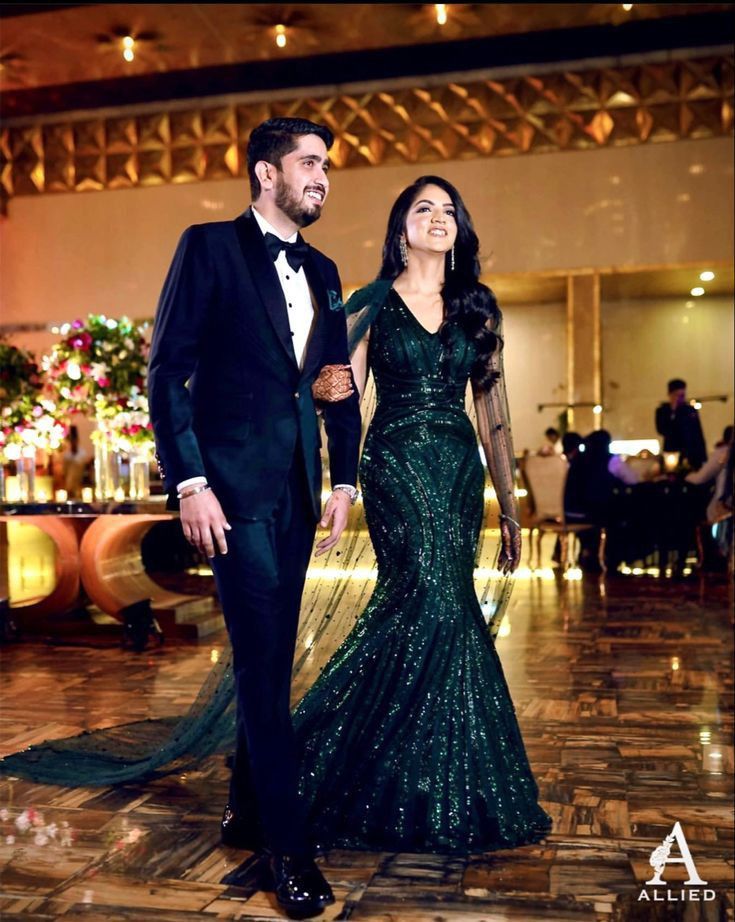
<point>249,316</point>
<point>678,422</point>
<point>553,443</point>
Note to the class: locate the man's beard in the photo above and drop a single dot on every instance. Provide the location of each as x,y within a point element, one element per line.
<point>294,208</point>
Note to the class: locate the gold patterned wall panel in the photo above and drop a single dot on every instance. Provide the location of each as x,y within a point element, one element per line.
<point>558,111</point>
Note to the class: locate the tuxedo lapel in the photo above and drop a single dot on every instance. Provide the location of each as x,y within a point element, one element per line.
<point>264,275</point>
<point>321,306</point>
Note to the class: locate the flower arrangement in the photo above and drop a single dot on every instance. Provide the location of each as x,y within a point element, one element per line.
<point>27,420</point>
<point>98,362</point>
<point>127,423</point>
<point>101,366</point>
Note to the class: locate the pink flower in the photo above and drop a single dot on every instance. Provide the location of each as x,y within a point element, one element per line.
<point>77,324</point>
<point>103,382</point>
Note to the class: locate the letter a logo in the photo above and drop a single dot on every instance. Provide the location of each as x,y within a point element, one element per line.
<point>661,857</point>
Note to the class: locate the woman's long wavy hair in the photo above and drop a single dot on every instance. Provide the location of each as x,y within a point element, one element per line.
<point>468,303</point>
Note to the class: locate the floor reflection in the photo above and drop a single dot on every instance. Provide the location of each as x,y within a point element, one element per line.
<point>623,688</point>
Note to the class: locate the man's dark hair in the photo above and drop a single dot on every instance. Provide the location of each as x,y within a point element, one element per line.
<point>551,431</point>
<point>676,384</point>
<point>276,137</point>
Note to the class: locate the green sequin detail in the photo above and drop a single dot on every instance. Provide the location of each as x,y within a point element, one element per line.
<point>409,737</point>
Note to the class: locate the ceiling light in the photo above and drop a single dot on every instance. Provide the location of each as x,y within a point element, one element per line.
<point>697,292</point>
<point>627,7</point>
<point>597,409</point>
<point>706,276</point>
<point>441,13</point>
<point>281,35</point>
<point>128,44</point>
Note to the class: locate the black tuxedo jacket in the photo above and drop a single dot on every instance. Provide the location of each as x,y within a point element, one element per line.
<point>227,398</point>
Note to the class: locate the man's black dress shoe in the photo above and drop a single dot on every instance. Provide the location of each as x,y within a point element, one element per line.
<point>236,832</point>
<point>300,887</point>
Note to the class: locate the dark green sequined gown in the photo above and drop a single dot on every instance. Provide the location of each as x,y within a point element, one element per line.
<point>409,737</point>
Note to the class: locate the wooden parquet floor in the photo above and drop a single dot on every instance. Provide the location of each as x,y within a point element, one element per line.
<point>623,689</point>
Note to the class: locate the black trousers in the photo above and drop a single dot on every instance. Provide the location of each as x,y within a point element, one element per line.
<point>260,582</point>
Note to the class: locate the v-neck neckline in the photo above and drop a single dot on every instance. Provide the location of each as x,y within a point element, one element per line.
<point>415,319</point>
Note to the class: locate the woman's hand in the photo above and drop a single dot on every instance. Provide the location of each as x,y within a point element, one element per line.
<point>510,552</point>
<point>333,384</point>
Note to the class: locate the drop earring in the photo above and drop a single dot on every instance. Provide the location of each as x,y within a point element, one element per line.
<point>404,250</point>
<point>451,259</point>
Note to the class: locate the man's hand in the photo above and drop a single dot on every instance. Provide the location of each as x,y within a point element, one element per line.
<point>204,523</point>
<point>334,383</point>
<point>510,552</point>
<point>336,512</point>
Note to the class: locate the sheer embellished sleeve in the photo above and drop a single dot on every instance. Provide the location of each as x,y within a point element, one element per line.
<point>361,309</point>
<point>493,424</point>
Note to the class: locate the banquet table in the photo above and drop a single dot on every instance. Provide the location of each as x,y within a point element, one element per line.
<point>657,518</point>
<point>99,562</point>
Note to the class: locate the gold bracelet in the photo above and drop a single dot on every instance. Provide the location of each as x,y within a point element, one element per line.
<point>509,519</point>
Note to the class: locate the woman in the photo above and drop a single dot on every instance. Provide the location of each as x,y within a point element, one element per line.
<point>409,737</point>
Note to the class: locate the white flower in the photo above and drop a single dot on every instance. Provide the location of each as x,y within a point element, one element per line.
<point>4,815</point>
<point>40,838</point>
<point>51,830</point>
<point>98,370</point>
<point>22,822</point>
<point>10,840</point>
<point>129,344</point>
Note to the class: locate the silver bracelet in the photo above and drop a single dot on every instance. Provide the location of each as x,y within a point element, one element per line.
<point>350,491</point>
<point>193,491</point>
<point>509,519</point>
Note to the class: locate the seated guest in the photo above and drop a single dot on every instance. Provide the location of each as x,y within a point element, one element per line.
<point>570,445</point>
<point>714,470</point>
<point>679,424</point>
<point>593,473</point>
<point>552,445</point>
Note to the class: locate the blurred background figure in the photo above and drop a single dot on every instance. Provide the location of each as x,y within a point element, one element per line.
<point>593,473</point>
<point>715,477</point>
<point>679,424</point>
<point>570,445</point>
<point>75,462</point>
<point>552,442</point>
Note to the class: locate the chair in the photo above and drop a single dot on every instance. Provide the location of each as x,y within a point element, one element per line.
<point>545,477</point>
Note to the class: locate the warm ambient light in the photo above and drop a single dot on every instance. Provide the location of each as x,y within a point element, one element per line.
<point>128,44</point>
<point>697,292</point>
<point>597,409</point>
<point>281,36</point>
<point>441,13</point>
<point>627,7</point>
<point>707,276</point>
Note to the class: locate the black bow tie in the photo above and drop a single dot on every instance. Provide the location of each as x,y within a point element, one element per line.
<point>296,252</point>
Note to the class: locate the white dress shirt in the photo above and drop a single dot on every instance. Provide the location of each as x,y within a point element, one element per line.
<point>298,304</point>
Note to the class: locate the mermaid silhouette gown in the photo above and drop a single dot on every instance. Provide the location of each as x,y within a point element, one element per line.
<point>409,737</point>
